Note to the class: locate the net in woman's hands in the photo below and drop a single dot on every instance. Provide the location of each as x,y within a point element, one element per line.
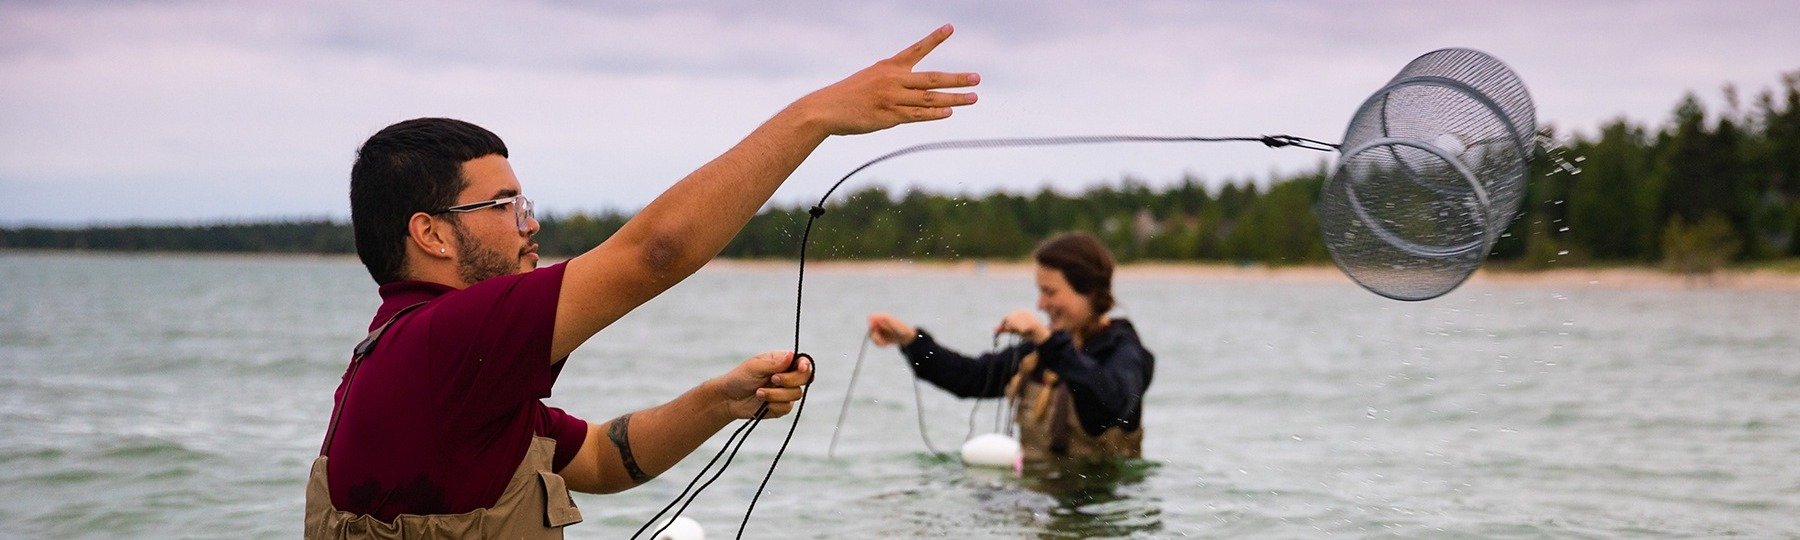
<point>1432,171</point>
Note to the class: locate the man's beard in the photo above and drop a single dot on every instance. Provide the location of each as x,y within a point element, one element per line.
<point>476,264</point>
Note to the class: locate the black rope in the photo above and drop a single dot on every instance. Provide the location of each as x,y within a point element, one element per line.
<point>748,426</point>
<point>777,460</point>
<point>690,486</point>
<point>761,412</point>
<point>813,216</point>
<point>818,210</point>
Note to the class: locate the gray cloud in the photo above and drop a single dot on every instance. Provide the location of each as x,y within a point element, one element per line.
<point>203,110</point>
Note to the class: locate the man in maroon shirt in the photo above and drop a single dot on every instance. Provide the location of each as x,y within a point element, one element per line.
<point>439,417</point>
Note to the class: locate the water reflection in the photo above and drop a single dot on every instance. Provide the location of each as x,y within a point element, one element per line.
<point>1086,499</point>
<point>1096,499</point>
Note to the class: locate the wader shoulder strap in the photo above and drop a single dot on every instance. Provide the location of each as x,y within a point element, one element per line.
<point>356,358</point>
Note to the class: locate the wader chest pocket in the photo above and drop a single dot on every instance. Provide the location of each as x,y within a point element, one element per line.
<point>559,505</point>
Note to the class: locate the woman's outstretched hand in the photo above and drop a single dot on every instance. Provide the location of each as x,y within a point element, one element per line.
<point>886,330</point>
<point>1026,324</point>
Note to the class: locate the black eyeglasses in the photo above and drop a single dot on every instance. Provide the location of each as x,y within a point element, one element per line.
<point>522,209</point>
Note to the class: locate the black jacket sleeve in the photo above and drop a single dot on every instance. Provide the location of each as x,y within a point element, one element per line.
<point>980,377</point>
<point>1107,383</point>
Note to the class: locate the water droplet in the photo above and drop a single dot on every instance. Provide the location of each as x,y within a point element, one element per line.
<point>1297,438</point>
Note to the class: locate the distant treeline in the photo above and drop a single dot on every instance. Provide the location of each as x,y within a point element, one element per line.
<point>1700,191</point>
<point>294,236</point>
<point>1237,222</point>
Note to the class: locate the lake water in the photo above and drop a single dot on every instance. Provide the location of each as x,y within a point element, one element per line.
<point>163,395</point>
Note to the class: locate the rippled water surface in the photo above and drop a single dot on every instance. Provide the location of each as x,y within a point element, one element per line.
<point>159,396</point>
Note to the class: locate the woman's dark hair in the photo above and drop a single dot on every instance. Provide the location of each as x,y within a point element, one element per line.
<point>409,167</point>
<point>1085,262</point>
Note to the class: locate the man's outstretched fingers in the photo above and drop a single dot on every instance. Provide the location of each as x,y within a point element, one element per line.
<point>780,395</point>
<point>926,80</point>
<point>913,54</point>
<point>938,99</point>
<point>922,114</point>
<point>772,362</point>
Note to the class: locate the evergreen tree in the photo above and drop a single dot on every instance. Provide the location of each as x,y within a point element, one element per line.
<point>1611,208</point>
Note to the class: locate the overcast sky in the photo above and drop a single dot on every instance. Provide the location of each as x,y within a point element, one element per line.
<point>201,111</point>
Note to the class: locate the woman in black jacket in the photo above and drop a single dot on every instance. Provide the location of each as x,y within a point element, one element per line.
<point>1077,384</point>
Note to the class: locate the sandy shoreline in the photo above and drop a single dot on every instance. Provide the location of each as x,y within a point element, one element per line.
<point>1615,277</point>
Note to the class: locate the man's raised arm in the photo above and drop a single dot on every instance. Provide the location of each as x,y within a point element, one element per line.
<point>687,225</point>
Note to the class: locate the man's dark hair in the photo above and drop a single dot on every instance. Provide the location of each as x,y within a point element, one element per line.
<point>409,167</point>
<point>1085,262</point>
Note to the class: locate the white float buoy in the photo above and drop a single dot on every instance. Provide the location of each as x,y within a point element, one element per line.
<point>683,528</point>
<point>992,450</point>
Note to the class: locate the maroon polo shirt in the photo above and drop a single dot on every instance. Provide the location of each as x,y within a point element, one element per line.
<point>441,412</point>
